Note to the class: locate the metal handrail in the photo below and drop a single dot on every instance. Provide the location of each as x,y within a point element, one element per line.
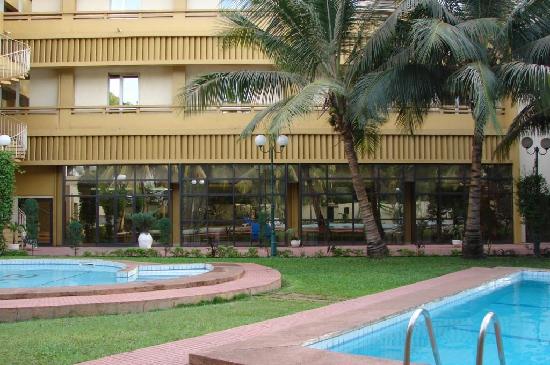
<point>410,328</point>
<point>490,317</point>
<point>15,59</point>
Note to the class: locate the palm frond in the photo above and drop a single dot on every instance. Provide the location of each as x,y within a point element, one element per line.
<point>522,80</point>
<point>477,83</point>
<point>239,87</point>
<point>537,51</point>
<point>481,29</point>
<point>434,41</point>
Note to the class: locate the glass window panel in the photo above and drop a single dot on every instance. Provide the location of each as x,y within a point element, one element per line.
<point>452,186</point>
<point>195,171</point>
<point>130,90</point>
<point>389,171</point>
<point>338,171</point>
<point>310,172</point>
<point>80,187</point>
<point>220,187</point>
<point>152,172</point>
<point>220,208</point>
<point>121,5</point>
<point>82,173</point>
<point>194,209</point>
<point>247,187</point>
<point>115,92</point>
<point>159,188</point>
<point>426,207</point>
<point>340,187</point>
<point>367,171</point>
<point>390,186</point>
<point>426,172</point>
<point>246,209</point>
<point>194,187</point>
<point>314,209</point>
<point>107,172</point>
<point>82,209</point>
<point>426,186</point>
<point>456,171</point>
<point>221,172</point>
<point>293,173</point>
<point>155,205</point>
<point>247,171</point>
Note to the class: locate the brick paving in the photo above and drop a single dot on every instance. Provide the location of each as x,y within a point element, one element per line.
<point>266,338</point>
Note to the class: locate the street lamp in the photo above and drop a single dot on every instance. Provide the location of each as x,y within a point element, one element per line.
<point>272,146</point>
<point>527,143</point>
<point>5,141</point>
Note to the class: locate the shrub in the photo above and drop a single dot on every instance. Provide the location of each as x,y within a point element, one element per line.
<point>180,252</point>
<point>319,254</point>
<point>164,225</point>
<point>142,221</point>
<point>8,168</point>
<point>88,254</point>
<point>285,254</point>
<point>533,202</point>
<point>196,253</point>
<point>252,253</point>
<point>456,252</point>
<point>135,252</point>
<point>227,252</point>
<point>14,253</point>
<point>406,252</point>
<point>74,235</point>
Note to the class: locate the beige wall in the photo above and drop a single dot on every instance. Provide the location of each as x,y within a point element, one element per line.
<point>202,4</point>
<point>46,5</point>
<point>44,88</point>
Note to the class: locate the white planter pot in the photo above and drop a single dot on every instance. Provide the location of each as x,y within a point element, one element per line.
<point>456,242</point>
<point>13,247</point>
<point>145,240</point>
<point>295,243</point>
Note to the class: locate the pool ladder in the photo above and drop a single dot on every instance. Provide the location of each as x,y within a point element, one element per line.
<point>487,320</point>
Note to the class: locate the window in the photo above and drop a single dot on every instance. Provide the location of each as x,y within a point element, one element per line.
<point>123,90</point>
<point>125,5</point>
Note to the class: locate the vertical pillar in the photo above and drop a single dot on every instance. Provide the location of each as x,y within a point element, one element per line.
<point>66,95</point>
<point>180,5</point>
<point>68,6</point>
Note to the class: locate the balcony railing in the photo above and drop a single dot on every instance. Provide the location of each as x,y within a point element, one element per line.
<point>18,132</point>
<point>15,60</point>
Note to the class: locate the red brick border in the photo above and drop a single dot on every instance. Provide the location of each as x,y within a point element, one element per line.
<point>247,279</point>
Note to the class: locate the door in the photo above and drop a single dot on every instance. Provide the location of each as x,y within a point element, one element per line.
<point>45,219</point>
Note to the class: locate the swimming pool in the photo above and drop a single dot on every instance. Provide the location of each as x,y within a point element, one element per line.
<point>60,273</point>
<point>522,302</point>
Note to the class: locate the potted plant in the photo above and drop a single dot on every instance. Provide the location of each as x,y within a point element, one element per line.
<point>295,240</point>
<point>15,229</point>
<point>143,223</point>
<point>164,227</point>
<point>457,232</point>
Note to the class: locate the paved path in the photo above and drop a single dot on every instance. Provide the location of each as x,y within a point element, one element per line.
<point>178,352</point>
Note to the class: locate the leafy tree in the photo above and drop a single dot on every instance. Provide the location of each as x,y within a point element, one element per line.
<point>30,207</point>
<point>8,168</point>
<point>534,200</point>
<point>336,55</point>
<point>491,51</point>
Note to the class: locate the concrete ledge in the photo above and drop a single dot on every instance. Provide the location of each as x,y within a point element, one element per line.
<point>247,279</point>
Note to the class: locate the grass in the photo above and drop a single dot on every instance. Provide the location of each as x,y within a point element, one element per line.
<point>308,283</point>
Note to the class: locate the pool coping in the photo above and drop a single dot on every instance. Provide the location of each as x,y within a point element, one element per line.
<point>220,273</point>
<point>252,279</point>
<point>286,345</point>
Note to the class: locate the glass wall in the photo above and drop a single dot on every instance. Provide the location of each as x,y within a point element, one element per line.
<point>103,197</point>
<point>231,203</point>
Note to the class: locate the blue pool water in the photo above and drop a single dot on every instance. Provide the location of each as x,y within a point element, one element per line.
<point>522,303</point>
<point>57,273</point>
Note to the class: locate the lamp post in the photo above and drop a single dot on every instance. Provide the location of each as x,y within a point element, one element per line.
<point>5,141</point>
<point>527,143</point>
<point>272,146</point>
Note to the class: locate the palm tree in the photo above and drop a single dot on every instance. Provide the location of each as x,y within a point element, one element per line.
<point>338,56</point>
<point>497,45</point>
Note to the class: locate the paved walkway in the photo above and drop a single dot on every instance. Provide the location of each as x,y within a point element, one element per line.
<point>177,353</point>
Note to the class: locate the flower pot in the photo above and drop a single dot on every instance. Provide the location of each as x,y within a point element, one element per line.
<point>295,243</point>
<point>145,241</point>
<point>13,247</point>
<point>456,242</point>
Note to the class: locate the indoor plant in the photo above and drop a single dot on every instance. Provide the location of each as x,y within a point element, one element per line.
<point>143,223</point>
<point>295,240</point>
<point>457,232</point>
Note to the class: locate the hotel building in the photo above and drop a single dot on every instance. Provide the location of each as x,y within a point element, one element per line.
<point>103,137</point>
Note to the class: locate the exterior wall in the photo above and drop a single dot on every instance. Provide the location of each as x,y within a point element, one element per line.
<point>203,4</point>
<point>44,88</point>
<point>46,5</point>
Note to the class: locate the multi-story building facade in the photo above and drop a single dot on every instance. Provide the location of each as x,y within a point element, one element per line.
<point>106,139</point>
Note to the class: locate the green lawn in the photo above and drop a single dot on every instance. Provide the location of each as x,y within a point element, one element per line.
<point>308,283</point>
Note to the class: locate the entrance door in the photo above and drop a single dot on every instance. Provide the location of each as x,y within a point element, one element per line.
<point>45,219</point>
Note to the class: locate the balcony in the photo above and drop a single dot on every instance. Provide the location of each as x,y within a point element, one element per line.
<point>17,130</point>
<point>15,60</point>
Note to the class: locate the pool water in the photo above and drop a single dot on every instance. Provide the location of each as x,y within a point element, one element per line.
<point>58,273</point>
<point>522,305</point>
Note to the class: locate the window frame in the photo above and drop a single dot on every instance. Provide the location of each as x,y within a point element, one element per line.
<point>121,77</point>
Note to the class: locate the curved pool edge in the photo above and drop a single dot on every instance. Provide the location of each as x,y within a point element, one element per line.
<point>219,273</point>
<point>255,279</point>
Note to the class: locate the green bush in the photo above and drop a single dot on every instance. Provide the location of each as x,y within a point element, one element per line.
<point>142,221</point>
<point>74,233</point>
<point>180,252</point>
<point>285,254</point>
<point>319,254</point>
<point>533,201</point>
<point>15,253</point>
<point>227,252</point>
<point>8,168</point>
<point>196,253</point>
<point>252,252</point>
<point>134,252</point>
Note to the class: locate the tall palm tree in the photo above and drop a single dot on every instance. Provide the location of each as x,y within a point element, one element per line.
<point>511,40</point>
<point>337,55</point>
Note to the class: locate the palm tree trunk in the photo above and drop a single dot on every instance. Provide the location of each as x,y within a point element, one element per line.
<point>473,246</point>
<point>375,246</point>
